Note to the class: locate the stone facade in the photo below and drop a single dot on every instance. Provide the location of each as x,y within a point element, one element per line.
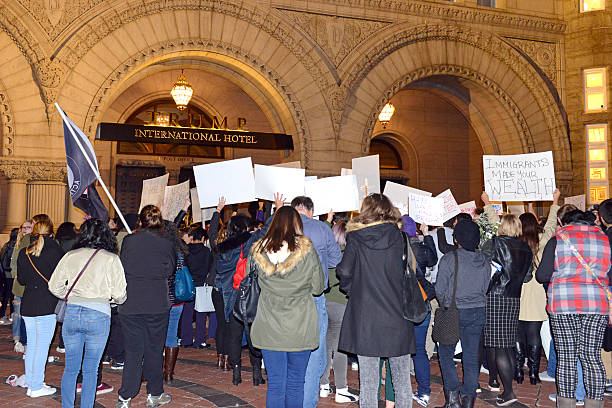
<point>317,70</point>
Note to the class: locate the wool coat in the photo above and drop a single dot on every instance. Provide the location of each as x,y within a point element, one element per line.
<point>371,273</point>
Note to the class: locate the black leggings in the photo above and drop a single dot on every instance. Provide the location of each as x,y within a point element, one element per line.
<point>504,360</point>
<point>529,333</point>
<point>222,335</point>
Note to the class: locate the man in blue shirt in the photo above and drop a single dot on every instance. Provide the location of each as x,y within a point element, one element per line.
<point>330,255</point>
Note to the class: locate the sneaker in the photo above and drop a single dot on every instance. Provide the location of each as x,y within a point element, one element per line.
<point>121,403</point>
<point>421,399</point>
<point>79,388</point>
<point>158,401</point>
<point>484,370</point>
<point>580,403</point>
<point>19,348</point>
<point>608,391</point>
<point>503,402</point>
<point>117,365</point>
<point>354,366</point>
<point>545,377</point>
<point>203,346</point>
<point>457,358</point>
<point>478,389</point>
<point>60,350</point>
<point>494,386</point>
<point>552,397</point>
<point>324,390</point>
<point>104,388</point>
<point>42,392</point>
<point>107,360</point>
<point>343,395</point>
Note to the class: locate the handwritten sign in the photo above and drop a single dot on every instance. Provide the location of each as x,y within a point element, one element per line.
<point>578,200</point>
<point>427,210</point>
<point>520,177</point>
<point>207,213</point>
<point>338,193</point>
<point>196,213</point>
<point>451,208</point>
<point>498,207</point>
<point>368,175</point>
<point>468,208</point>
<point>232,179</point>
<point>153,191</point>
<point>287,181</point>
<point>400,195</point>
<point>174,200</point>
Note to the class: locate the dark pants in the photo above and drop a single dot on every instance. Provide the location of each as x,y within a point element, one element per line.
<point>471,323</point>
<point>6,295</point>
<point>115,348</point>
<point>236,330</point>
<point>222,334</point>
<point>529,333</point>
<point>286,376</point>
<point>200,320</point>
<point>146,336</point>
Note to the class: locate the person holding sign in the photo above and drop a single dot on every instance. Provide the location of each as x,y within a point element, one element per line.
<point>510,261</point>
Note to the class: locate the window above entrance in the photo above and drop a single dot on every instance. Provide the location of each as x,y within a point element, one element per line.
<point>163,112</point>
<point>389,157</point>
<point>592,5</point>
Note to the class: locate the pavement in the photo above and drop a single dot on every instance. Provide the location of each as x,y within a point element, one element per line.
<point>198,383</point>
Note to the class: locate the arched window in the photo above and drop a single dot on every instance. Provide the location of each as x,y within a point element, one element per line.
<point>389,157</point>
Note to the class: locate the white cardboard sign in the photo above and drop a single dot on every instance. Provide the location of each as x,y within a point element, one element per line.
<point>196,212</point>
<point>232,179</point>
<point>338,194</point>
<point>174,200</point>
<point>451,208</point>
<point>153,191</point>
<point>517,208</point>
<point>400,195</point>
<point>520,177</point>
<point>578,200</point>
<point>427,210</point>
<point>207,213</point>
<point>468,208</point>
<point>346,172</point>
<point>368,175</point>
<point>271,179</point>
<point>290,165</point>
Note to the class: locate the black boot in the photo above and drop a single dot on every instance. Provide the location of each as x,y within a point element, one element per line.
<point>534,354</point>
<point>452,399</point>
<point>236,375</point>
<point>467,402</point>
<point>519,361</point>
<point>257,377</point>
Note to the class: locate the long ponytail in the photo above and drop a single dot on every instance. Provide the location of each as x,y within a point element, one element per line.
<point>41,228</point>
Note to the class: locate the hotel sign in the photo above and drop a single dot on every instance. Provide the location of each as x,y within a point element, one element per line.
<point>196,136</point>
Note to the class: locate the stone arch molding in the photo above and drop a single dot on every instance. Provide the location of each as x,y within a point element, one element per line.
<point>371,54</point>
<point>143,58</point>
<point>7,127</point>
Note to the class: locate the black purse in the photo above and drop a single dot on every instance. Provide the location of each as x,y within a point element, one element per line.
<point>446,319</point>
<point>245,307</point>
<point>414,308</point>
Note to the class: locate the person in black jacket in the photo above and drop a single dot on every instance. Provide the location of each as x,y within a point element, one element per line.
<point>148,258</point>
<point>35,265</point>
<point>6,279</point>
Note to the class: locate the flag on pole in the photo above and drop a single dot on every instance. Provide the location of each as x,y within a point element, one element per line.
<point>82,175</point>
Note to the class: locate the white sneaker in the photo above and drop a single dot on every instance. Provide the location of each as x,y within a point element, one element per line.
<point>324,390</point>
<point>44,391</point>
<point>60,350</point>
<point>545,377</point>
<point>19,347</point>
<point>354,366</point>
<point>484,370</point>
<point>343,395</point>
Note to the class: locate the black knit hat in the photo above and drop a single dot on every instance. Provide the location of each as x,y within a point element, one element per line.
<point>467,235</point>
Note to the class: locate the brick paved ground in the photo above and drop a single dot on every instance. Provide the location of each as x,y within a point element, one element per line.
<point>199,384</point>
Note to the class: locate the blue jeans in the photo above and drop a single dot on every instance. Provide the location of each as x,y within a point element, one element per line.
<point>551,370</point>
<point>40,333</point>
<point>471,323</point>
<point>286,372</point>
<point>318,358</point>
<point>173,323</point>
<point>18,333</point>
<point>422,370</point>
<point>85,333</point>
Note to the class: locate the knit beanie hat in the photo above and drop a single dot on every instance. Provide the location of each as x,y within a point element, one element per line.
<point>467,235</point>
<point>408,226</point>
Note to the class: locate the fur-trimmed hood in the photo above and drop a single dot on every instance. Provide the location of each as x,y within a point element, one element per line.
<point>354,226</point>
<point>377,235</point>
<point>303,247</point>
<point>234,242</point>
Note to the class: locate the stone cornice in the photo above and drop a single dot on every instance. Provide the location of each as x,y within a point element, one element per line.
<point>458,13</point>
<point>32,170</point>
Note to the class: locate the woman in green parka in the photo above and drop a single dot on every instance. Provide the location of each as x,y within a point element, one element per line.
<point>286,324</point>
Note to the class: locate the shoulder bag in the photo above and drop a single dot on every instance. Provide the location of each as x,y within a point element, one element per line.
<point>184,289</point>
<point>245,307</point>
<point>60,309</point>
<point>240,269</point>
<point>414,306</point>
<point>446,319</point>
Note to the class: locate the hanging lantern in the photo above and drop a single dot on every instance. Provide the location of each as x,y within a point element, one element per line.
<point>385,114</point>
<point>181,92</point>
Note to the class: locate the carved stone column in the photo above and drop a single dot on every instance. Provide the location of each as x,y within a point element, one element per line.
<point>16,204</point>
<point>47,197</point>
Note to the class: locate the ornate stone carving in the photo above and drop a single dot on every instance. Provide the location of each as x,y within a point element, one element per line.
<point>6,123</point>
<point>544,54</point>
<point>33,170</point>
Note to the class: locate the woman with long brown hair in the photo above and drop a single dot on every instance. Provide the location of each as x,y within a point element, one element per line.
<point>286,325</point>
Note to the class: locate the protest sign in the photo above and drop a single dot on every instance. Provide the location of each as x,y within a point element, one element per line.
<point>174,200</point>
<point>400,195</point>
<point>451,208</point>
<point>232,179</point>
<point>287,181</point>
<point>207,213</point>
<point>289,165</point>
<point>578,200</point>
<point>196,213</point>
<point>515,207</point>
<point>310,178</point>
<point>337,194</point>
<point>498,207</point>
<point>520,177</point>
<point>427,210</point>
<point>368,175</point>
<point>153,191</point>
<point>468,208</point>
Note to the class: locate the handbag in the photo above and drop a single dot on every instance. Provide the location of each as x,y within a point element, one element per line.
<point>240,270</point>
<point>245,307</point>
<point>60,308</point>
<point>586,266</point>
<point>446,319</point>
<point>184,289</point>
<point>414,307</point>
<point>203,299</point>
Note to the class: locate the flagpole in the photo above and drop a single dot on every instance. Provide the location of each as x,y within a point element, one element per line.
<point>93,168</point>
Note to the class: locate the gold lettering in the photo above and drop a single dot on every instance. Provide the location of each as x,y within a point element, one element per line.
<point>138,133</point>
<point>174,119</point>
<point>241,122</point>
<point>197,136</point>
<point>217,125</point>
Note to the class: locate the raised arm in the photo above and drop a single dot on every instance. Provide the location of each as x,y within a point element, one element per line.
<point>551,222</point>
<point>488,208</point>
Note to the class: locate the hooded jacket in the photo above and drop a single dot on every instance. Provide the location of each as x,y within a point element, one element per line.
<point>287,317</point>
<point>198,261</point>
<point>472,280</point>
<point>371,273</point>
